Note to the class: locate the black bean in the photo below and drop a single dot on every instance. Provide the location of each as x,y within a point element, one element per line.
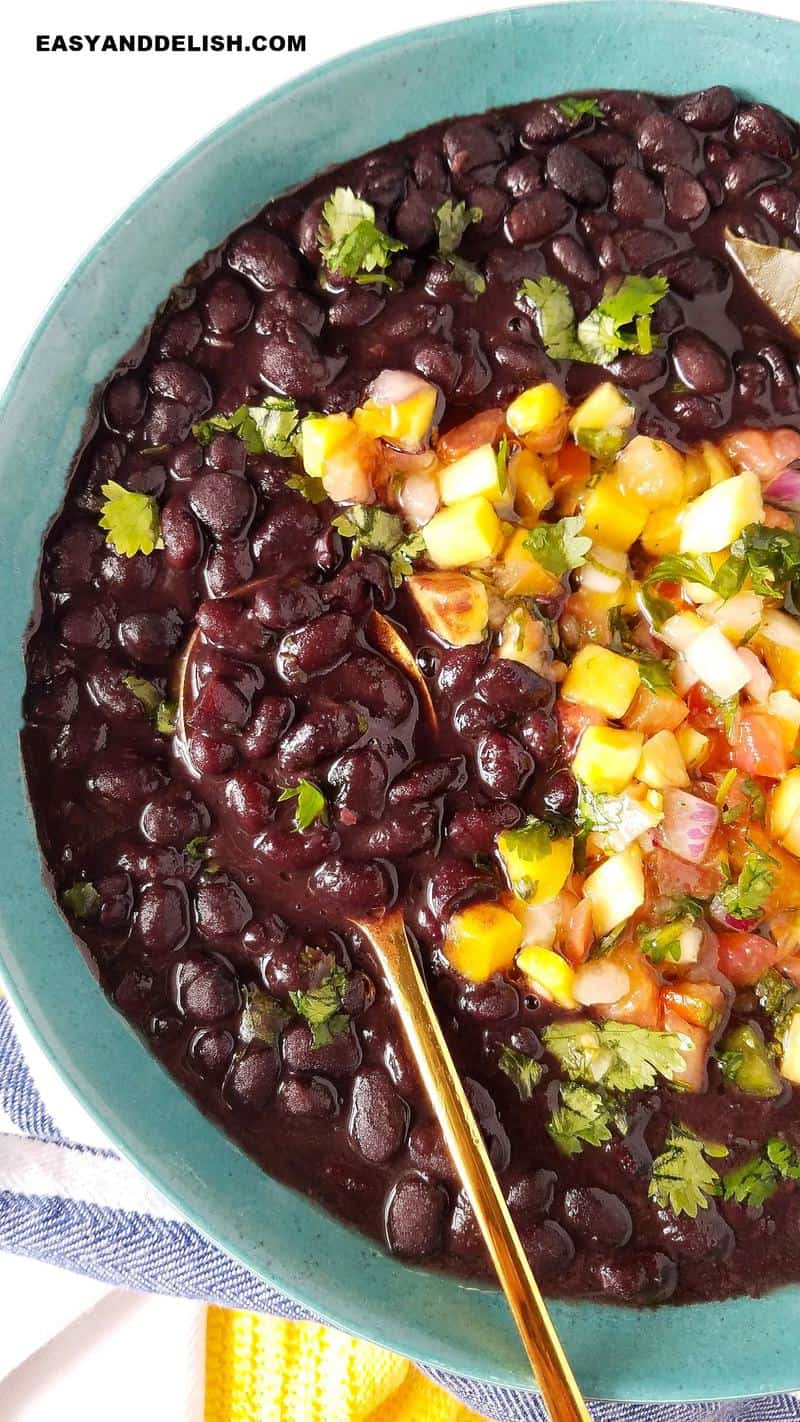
<point>280,603</point>
<point>610,150</point>
<point>472,830</point>
<point>162,918</point>
<point>706,1238</point>
<point>175,380</point>
<point>290,361</point>
<point>297,305</point>
<point>708,109</point>
<point>539,734</point>
<point>181,335</point>
<point>743,175</point>
<point>151,637</point>
<point>698,415</point>
<point>378,1116</point>
<point>536,217</point>
<point>425,782</point>
<point>457,669</point>
<point>503,764</point>
<point>316,1099</point>
<point>323,732</point>
<point>494,1001</point>
<point>360,779</point>
<point>573,171</point>
<point>523,177</point>
<point>84,624</point>
<point>473,143</point>
<point>249,799</point>
<point>548,1247</point>
<point>205,989</point>
<point>415,1213</point>
<point>264,258</point>
<point>597,1216</point>
<point>356,307</point>
<point>349,888</point>
<point>687,199</point>
<point>174,817</point>
<point>454,882</point>
<point>437,361</point>
<point>227,306</point>
<point>663,140</point>
<point>512,688</point>
<point>210,1052</point>
<point>544,121</point>
<point>641,246</point>
<point>285,849</point>
<point>780,205</point>
<point>183,542</point>
<point>340,1057</point>
<point>316,647</point>
<point>699,363</point>
<point>410,830</point>
<point>763,130</point>
<point>124,780</point>
<point>221,908</point>
<point>532,1195</point>
<point>644,1278</point>
<point>124,403</point>
<point>692,275</point>
<point>250,1082</point>
<point>626,110</point>
<point>414,222</point>
<point>573,259</point>
<point>73,558</point>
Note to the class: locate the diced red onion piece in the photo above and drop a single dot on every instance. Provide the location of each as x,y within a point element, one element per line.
<point>392,387</point>
<point>759,685</point>
<point>784,489</point>
<point>600,983</point>
<point>688,825</point>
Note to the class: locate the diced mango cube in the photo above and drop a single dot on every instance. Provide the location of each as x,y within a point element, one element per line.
<point>652,711</point>
<point>536,864</point>
<point>518,573</point>
<point>465,533</point>
<point>535,409</point>
<point>716,518</point>
<point>694,745</point>
<point>321,436</point>
<point>405,424</point>
<point>602,679</point>
<point>549,975</point>
<point>604,410</point>
<point>522,639</point>
<point>651,470</point>
<point>613,517</point>
<point>662,532</point>
<point>606,759</point>
<point>475,473</point>
<point>482,939</point>
<point>532,491</point>
<point>786,709</point>
<point>778,642</point>
<point>784,806</point>
<point>454,605</point>
<point>662,762</point>
<point>615,890</point>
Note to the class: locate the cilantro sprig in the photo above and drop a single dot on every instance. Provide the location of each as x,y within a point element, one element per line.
<point>310,804</point>
<point>82,900</point>
<point>561,546</point>
<point>322,1007</point>
<point>350,241</point>
<point>522,1069</point>
<point>160,710</point>
<point>273,427</point>
<point>131,520</point>
<point>682,1180</point>
<point>263,1017</point>
<point>745,897</point>
<point>574,108</point>
<point>619,1055</point>
<point>620,322</point>
<point>374,528</point>
<point>756,1180</point>
<point>585,1117</point>
<point>451,221</point>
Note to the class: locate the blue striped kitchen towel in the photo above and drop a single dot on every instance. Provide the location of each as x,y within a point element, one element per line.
<point>66,1197</point>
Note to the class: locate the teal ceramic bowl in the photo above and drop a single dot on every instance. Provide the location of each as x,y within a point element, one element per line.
<point>700,1351</point>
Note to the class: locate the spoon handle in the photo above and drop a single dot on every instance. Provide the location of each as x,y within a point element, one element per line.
<point>555,1378</point>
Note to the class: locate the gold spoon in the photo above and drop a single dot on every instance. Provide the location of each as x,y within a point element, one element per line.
<point>388,938</point>
<point>560,1391</point>
<point>383,634</point>
<point>773,273</point>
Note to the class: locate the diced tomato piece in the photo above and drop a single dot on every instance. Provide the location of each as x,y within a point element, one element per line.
<point>574,462</point>
<point>484,428</point>
<point>743,957</point>
<point>785,447</point>
<point>573,718</point>
<point>641,1005</point>
<point>751,449</point>
<point>579,934</point>
<point>777,518</point>
<point>675,877</point>
<point>702,1004</point>
<point>695,1055</point>
<point>758,745</point>
<point>653,711</point>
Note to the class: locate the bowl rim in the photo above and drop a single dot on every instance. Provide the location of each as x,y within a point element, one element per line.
<point>352,1314</point>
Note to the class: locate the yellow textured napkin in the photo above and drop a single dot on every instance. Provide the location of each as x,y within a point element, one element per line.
<point>261,1369</point>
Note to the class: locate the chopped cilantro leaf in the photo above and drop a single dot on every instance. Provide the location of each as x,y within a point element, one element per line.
<point>312,490</point>
<point>160,712</point>
<point>273,427</point>
<point>745,898</point>
<point>654,674</point>
<point>682,1179</point>
<point>655,608</point>
<point>322,1008</point>
<point>82,899</point>
<point>574,109</point>
<point>662,941</point>
<point>559,547</point>
<point>753,1182</point>
<point>262,1017</point>
<point>620,1055</point>
<point>452,221</point>
<point>601,444</point>
<point>310,804</point>
<point>522,1069</point>
<point>583,1118</point>
<point>678,568</point>
<point>197,848</point>
<point>131,520</point>
<point>375,528</point>
<point>502,464</point>
<point>556,315</point>
<point>771,556</point>
<point>777,996</point>
<point>350,241</point>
